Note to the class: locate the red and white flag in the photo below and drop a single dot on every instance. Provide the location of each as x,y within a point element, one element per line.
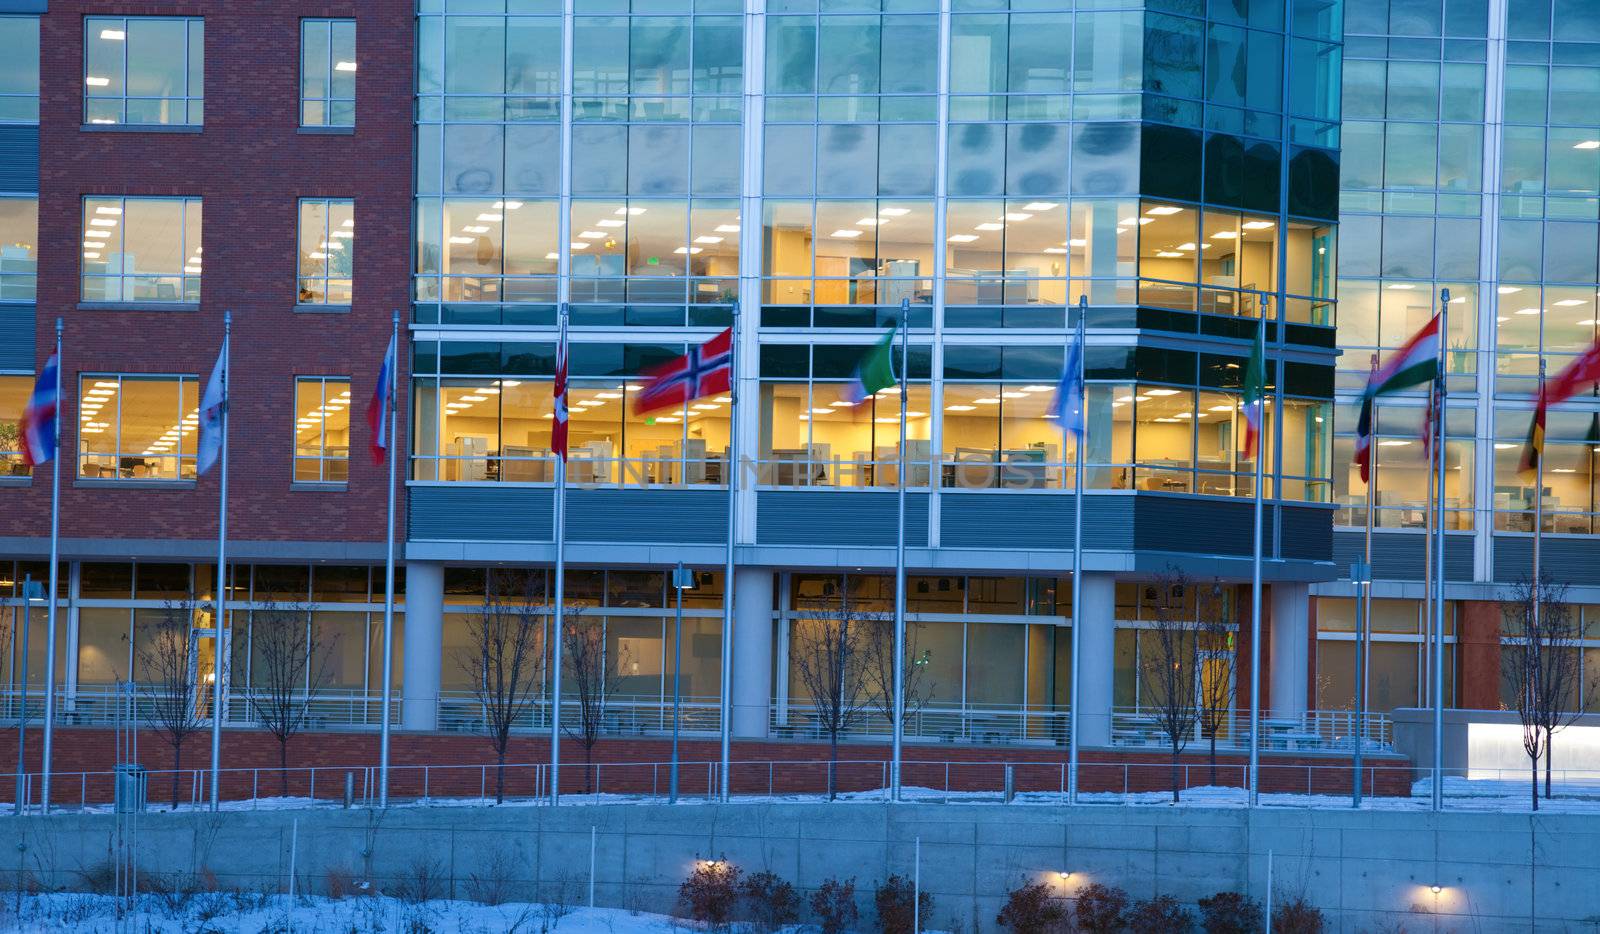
<point>558,435</point>
<point>704,371</point>
<point>378,407</point>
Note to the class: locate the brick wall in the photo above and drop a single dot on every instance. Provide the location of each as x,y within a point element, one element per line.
<point>250,165</point>
<point>1478,667</point>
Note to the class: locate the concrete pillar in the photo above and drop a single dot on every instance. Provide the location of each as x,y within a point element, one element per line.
<point>424,627</point>
<point>1097,643</point>
<point>752,651</point>
<point>1290,646</point>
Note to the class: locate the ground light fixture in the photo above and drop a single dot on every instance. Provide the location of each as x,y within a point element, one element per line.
<point>1436,888</point>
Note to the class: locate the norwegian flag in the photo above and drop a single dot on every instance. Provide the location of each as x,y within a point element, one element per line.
<point>703,371</point>
<point>558,436</point>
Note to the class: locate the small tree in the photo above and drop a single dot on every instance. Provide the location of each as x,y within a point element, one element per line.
<point>289,667</point>
<point>878,667</point>
<point>504,660</point>
<point>827,649</point>
<point>1541,665</point>
<point>1101,909</point>
<point>1169,657</point>
<point>169,658</point>
<point>1216,625</point>
<point>593,678</point>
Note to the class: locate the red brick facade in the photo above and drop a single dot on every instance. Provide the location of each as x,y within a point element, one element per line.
<point>250,164</point>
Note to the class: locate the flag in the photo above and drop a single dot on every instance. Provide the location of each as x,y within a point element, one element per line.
<point>558,434</point>
<point>1416,362</point>
<point>1575,376</point>
<point>1068,404</point>
<point>1255,395</point>
<point>378,407</point>
<point>38,428</point>
<point>875,370</point>
<point>1533,451</point>
<point>213,407</point>
<point>703,371</point>
<point>1431,418</point>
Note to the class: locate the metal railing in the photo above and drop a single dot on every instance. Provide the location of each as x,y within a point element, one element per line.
<point>1315,730</point>
<point>980,724</point>
<point>1387,785</point>
<point>620,715</point>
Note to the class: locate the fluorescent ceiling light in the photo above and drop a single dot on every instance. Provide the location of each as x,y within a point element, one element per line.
<point>192,270</point>
<point>1161,392</point>
<point>608,395</point>
<point>707,239</point>
<point>474,398</point>
<point>1588,144</point>
<point>102,222</point>
<point>1162,210</point>
<point>959,408</point>
<point>344,66</point>
<point>1077,242</point>
<point>893,212</point>
<point>1169,254</point>
<point>1401,286</point>
<point>578,245</point>
<point>1570,302</point>
<point>1257,225</point>
<point>1055,249</point>
<point>552,256</point>
<point>463,241</point>
<point>690,250</point>
<point>988,400</point>
<point>491,218</point>
<point>91,256</point>
<point>106,210</point>
<point>610,222</point>
<point>507,205</point>
<point>1509,289</point>
<point>115,35</point>
<point>631,212</point>
<point>1225,235</point>
<point>867,221</point>
<point>1018,216</point>
<point>473,229</point>
<point>961,238</point>
<point>593,235</point>
<point>1040,206</point>
<point>1185,246</point>
<point>1393,443</point>
<point>845,233</point>
<point>990,226</point>
<point>1528,311</point>
<point>727,228</point>
<point>1038,388</point>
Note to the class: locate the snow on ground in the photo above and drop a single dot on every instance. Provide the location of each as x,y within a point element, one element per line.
<point>246,913</point>
<point>1460,794</point>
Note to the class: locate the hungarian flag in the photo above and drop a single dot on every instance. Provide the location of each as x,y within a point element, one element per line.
<point>1255,395</point>
<point>1413,364</point>
<point>378,407</point>
<point>1578,375</point>
<point>558,434</point>
<point>703,371</point>
<point>875,370</point>
<point>38,426</point>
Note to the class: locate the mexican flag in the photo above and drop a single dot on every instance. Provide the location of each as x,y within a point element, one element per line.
<point>875,371</point>
<point>1255,395</point>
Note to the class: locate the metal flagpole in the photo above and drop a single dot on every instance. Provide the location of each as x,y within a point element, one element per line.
<point>900,558</point>
<point>731,467</point>
<point>1077,559</point>
<point>50,618</point>
<point>1427,552</point>
<point>1255,567</point>
<point>393,364</point>
<point>561,584</point>
<point>1363,582</point>
<point>218,654</point>
<point>1438,575</point>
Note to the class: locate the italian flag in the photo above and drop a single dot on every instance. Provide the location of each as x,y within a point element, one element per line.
<point>1415,363</point>
<point>875,371</point>
<point>1255,395</point>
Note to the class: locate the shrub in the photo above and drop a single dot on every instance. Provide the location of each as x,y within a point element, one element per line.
<point>1160,915</point>
<point>1101,908</point>
<point>1297,916</point>
<point>769,901</point>
<point>834,904</point>
<point>711,891</point>
<point>893,902</point>
<point>1032,909</point>
<point>339,882</point>
<point>1230,913</point>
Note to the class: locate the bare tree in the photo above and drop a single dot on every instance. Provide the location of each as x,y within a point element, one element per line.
<point>505,658</point>
<point>827,652</point>
<point>1541,665</point>
<point>878,667</point>
<point>289,667</point>
<point>1169,657</point>
<point>592,677</point>
<point>170,660</point>
<point>1216,625</point>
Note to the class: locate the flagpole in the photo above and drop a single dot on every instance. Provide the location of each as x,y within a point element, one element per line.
<point>1364,612</point>
<point>1438,603</point>
<point>1255,571</point>
<point>219,655</point>
<point>560,591</point>
<point>393,363</point>
<point>900,558</point>
<point>1428,520</point>
<point>50,622</point>
<point>1076,635</point>
<point>730,467</point>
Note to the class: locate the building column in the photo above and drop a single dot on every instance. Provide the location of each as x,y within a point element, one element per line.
<point>752,652</point>
<point>424,628</point>
<point>1290,647</point>
<point>1098,644</point>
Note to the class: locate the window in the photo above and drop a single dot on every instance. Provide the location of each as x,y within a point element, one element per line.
<point>327,247</point>
<point>19,69</point>
<point>144,70</point>
<point>14,392</point>
<point>327,72</point>
<point>141,250</point>
<point>19,263</point>
<point>138,427</point>
<point>321,429</point>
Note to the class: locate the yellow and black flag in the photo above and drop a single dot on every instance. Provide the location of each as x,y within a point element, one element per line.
<point>1534,449</point>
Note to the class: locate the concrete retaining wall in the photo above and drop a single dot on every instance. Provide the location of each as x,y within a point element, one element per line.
<point>1369,871</point>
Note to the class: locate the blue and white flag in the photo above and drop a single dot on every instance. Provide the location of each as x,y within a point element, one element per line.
<point>213,407</point>
<point>1067,406</point>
